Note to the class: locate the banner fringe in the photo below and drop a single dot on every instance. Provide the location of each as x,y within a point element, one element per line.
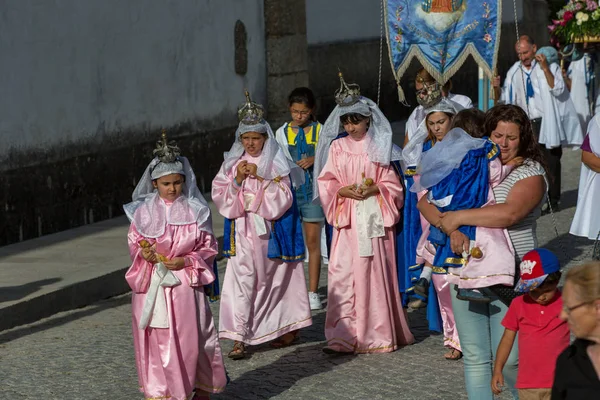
<point>415,52</point>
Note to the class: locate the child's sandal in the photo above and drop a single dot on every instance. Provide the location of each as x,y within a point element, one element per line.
<point>453,355</point>
<point>286,340</point>
<point>238,352</point>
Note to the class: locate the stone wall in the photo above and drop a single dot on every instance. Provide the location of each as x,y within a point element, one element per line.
<point>88,86</point>
<point>285,29</point>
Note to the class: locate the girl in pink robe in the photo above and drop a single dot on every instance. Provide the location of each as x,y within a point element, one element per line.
<point>362,200</point>
<point>177,350</point>
<point>262,299</point>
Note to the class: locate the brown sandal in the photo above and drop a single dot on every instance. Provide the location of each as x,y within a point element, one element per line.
<point>238,352</point>
<point>286,340</point>
<point>453,355</point>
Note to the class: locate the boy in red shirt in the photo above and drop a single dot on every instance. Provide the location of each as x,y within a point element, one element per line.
<point>542,334</point>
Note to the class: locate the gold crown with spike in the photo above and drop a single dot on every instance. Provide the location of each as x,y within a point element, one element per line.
<point>166,151</point>
<point>251,113</point>
<point>347,94</point>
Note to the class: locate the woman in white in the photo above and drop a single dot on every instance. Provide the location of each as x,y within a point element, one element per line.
<point>586,221</point>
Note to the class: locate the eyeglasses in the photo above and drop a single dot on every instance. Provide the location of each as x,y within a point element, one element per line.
<point>302,113</point>
<point>568,310</point>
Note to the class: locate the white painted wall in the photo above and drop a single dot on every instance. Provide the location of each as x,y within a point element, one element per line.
<point>330,21</point>
<point>75,69</point>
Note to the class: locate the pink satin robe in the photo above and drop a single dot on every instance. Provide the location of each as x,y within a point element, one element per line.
<point>172,361</point>
<point>364,311</point>
<point>487,271</point>
<point>261,298</point>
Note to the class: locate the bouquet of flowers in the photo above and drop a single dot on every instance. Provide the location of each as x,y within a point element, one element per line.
<point>578,22</point>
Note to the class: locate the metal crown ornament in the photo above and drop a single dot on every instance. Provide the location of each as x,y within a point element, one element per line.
<point>166,151</point>
<point>430,95</point>
<point>347,94</point>
<point>251,113</point>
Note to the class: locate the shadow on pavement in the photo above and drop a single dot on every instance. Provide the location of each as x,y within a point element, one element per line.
<point>568,199</point>
<point>54,321</point>
<point>570,248</point>
<point>273,379</point>
<point>417,321</point>
<point>13,293</point>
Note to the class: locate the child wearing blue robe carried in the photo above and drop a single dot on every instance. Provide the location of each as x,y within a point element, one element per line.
<point>460,173</point>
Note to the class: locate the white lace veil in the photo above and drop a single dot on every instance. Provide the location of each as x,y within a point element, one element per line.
<point>188,208</point>
<point>380,147</point>
<point>447,155</point>
<point>273,162</point>
<point>411,154</point>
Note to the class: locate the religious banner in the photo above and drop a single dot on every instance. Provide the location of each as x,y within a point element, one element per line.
<point>442,34</point>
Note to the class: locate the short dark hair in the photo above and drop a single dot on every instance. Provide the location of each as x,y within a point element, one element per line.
<point>552,278</point>
<point>302,95</point>
<point>353,118</point>
<point>470,120</point>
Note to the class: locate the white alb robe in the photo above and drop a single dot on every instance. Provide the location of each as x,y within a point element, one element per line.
<point>560,123</point>
<point>586,221</point>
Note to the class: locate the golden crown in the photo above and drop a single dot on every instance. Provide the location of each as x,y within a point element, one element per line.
<point>347,94</point>
<point>251,113</point>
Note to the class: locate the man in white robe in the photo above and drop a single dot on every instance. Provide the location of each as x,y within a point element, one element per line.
<point>539,89</point>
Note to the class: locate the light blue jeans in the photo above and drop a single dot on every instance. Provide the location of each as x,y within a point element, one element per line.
<point>480,330</point>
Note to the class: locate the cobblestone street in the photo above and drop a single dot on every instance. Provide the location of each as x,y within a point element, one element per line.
<point>88,353</point>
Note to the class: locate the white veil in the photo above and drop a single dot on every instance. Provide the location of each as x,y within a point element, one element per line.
<point>411,154</point>
<point>190,207</point>
<point>380,148</point>
<point>273,162</point>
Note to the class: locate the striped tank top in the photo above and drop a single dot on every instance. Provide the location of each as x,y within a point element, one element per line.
<point>523,233</point>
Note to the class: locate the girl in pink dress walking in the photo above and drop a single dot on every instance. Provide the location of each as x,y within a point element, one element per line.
<point>172,248</point>
<point>361,196</point>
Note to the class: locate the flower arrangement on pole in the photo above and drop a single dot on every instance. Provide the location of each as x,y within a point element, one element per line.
<point>577,22</point>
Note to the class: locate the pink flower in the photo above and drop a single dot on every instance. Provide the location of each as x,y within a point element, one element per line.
<point>487,37</point>
<point>398,38</point>
<point>591,5</point>
<point>567,17</point>
<point>551,28</point>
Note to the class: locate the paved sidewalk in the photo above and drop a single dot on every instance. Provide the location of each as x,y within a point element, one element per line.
<point>76,268</point>
<point>73,269</point>
<point>66,270</point>
<point>87,353</point>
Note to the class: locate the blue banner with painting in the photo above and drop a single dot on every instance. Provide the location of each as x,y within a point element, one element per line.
<point>441,34</point>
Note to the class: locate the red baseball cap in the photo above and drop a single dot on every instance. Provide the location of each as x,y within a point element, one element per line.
<point>535,266</point>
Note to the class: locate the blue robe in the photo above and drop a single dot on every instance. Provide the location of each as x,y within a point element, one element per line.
<point>468,185</point>
<point>408,233</point>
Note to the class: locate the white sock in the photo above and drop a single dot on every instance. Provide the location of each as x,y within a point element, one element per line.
<point>426,273</point>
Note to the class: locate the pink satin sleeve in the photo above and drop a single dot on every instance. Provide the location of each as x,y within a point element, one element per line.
<point>391,196</point>
<point>138,275</point>
<point>498,171</point>
<point>226,195</point>
<point>200,272</point>
<point>337,209</point>
<point>272,199</point>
